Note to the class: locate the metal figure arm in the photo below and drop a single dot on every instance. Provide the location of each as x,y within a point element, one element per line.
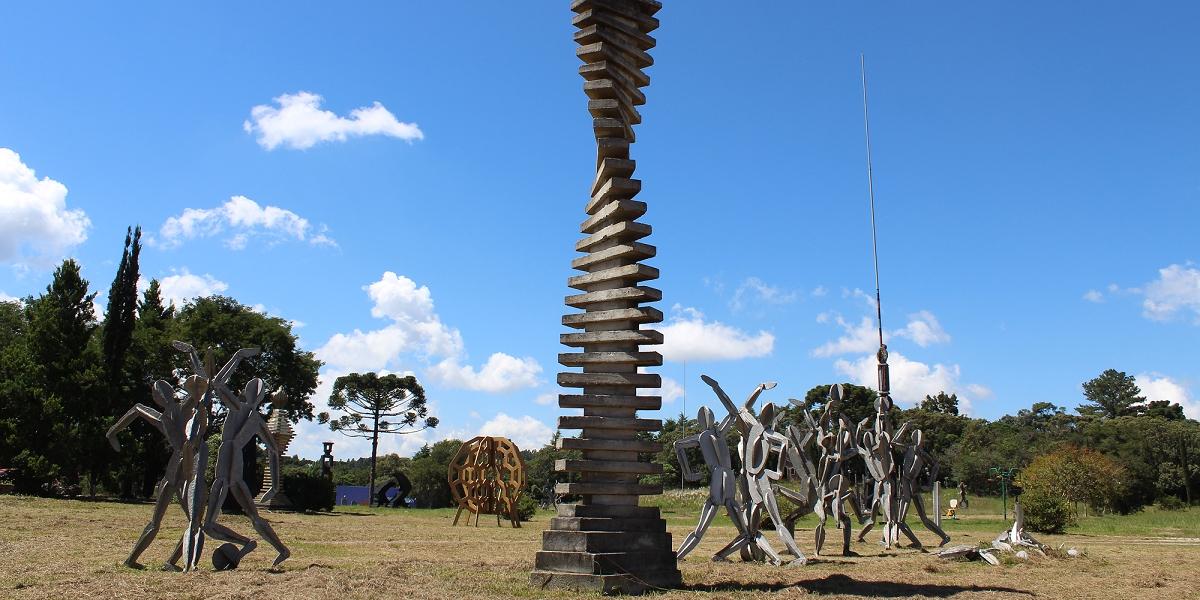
<point>273,454</point>
<point>139,410</point>
<point>681,446</point>
<point>222,378</point>
<point>779,443</point>
<point>197,364</point>
<point>725,400</point>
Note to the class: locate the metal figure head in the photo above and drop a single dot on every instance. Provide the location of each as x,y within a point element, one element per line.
<point>705,417</point>
<point>254,392</point>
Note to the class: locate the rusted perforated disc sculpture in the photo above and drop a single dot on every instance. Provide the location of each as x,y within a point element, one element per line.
<point>486,477</point>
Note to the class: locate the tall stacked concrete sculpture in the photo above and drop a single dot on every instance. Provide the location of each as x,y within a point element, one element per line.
<point>608,542</point>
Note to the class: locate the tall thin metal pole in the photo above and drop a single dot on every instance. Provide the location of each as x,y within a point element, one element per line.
<point>683,417</point>
<point>871,191</point>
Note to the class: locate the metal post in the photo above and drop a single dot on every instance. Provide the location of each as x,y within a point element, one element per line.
<point>937,503</point>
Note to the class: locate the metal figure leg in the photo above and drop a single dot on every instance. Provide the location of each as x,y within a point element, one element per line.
<point>243,496</point>
<point>929,524</point>
<point>693,538</point>
<point>163,495</point>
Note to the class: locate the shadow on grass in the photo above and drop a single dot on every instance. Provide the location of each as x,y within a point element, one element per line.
<point>842,584</point>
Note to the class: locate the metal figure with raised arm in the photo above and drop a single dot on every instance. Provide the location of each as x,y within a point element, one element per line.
<point>909,484</point>
<point>195,489</point>
<point>758,442</point>
<point>242,425</point>
<point>722,487</point>
<point>172,422</point>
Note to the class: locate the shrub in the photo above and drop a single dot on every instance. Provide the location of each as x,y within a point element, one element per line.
<point>526,507</point>
<point>1046,513</point>
<point>1171,503</point>
<point>309,491</point>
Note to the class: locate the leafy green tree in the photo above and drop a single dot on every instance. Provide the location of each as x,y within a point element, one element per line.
<point>1164,409</point>
<point>21,404</point>
<point>226,325</point>
<point>858,402</point>
<point>1077,475</point>
<point>121,377</point>
<point>429,467</point>
<point>119,318</point>
<point>377,405</point>
<point>1110,395</point>
<point>61,323</point>
<point>941,403</point>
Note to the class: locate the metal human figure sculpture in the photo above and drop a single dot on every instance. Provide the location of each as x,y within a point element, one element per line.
<point>242,425</point>
<point>909,488</point>
<point>327,461</point>
<point>722,487</point>
<point>195,490</point>
<point>759,441</point>
<point>172,421</point>
<point>837,447</point>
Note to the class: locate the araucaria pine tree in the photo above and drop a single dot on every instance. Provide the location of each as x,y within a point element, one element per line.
<point>377,405</point>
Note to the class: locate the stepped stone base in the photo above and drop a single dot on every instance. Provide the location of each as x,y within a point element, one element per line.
<point>279,502</point>
<point>607,549</point>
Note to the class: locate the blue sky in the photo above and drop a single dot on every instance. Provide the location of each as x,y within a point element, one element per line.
<point>1036,173</point>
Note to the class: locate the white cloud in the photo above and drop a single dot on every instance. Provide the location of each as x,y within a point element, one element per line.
<point>6,298</point>
<point>862,337</point>
<point>819,292</point>
<point>1156,386</point>
<point>182,286</point>
<point>911,380</point>
<point>690,337</point>
<point>416,329</point>
<point>526,432</point>
<point>756,290</point>
<point>1093,296</point>
<point>299,123</point>
<point>501,373</point>
<point>924,329</point>
<point>546,399</point>
<point>1177,290</point>
<point>244,220</point>
<point>36,227</point>
<point>670,391</point>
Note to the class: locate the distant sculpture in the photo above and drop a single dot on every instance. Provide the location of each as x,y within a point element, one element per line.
<point>962,495</point>
<point>327,461</point>
<point>397,482</point>
<point>281,430</point>
<point>1015,536</point>
<point>172,422</point>
<point>486,476</point>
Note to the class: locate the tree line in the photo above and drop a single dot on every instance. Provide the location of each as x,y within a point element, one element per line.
<point>67,374</point>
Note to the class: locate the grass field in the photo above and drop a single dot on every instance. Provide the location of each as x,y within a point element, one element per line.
<point>67,548</point>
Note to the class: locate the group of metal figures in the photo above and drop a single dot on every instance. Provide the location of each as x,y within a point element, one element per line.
<point>184,423</point>
<point>769,459</point>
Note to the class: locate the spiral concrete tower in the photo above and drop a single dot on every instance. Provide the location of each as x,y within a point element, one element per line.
<point>608,542</point>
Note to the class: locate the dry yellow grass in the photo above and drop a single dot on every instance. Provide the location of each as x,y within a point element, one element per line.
<point>58,549</point>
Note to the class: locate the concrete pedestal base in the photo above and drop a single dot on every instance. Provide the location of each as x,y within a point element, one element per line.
<point>607,549</point>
